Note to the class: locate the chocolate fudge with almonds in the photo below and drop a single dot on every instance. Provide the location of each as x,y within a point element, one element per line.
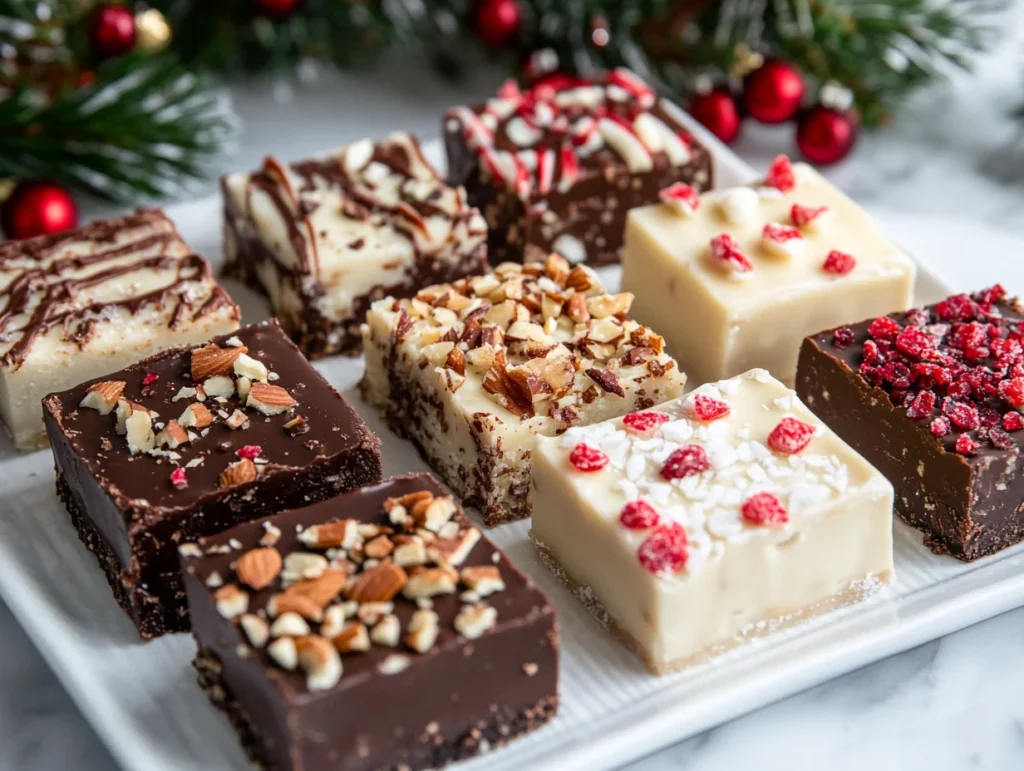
<point>378,629</point>
<point>193,441</point>
<point>472,372</point>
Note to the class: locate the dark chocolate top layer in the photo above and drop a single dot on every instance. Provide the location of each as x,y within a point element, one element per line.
<point>956,368</point>
<point>143,481</point>
<point>517,603</point>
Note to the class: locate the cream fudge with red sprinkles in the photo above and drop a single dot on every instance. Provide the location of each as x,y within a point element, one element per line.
<point>325,237</point>
<point>556,167</point>
<point>473,372</point>
<point>731,513</point>
<point>89,301</point>
<point>378,629</point>
<point>193,441</point>
<point>737,277</point>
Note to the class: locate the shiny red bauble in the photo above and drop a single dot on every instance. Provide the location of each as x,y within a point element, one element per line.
<point>773,92</point>
<point>496,21</point>
<point>36,209</point>
<point>717,112</point>
<point>826,135</point>
<point>111,30</point>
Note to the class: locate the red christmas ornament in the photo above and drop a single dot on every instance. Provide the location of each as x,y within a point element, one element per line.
<point>773,92</point>
<point>496,21</point>
<point>112,30</point>
<point>826,135</point>
<point>38,208</point>
<point>277,9</point>
<point>718,112</point>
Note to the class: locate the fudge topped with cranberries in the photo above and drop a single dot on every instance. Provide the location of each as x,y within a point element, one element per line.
<point>473,371</point>
<point>557,166</point>
<point>692,526</point>
<point>933,398</point>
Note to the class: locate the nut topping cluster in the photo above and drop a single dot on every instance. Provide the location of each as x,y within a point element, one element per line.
<point>544,339</point>
<point>337,593</point>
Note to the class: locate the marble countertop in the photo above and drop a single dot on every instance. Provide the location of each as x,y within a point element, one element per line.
<point>947,181</point>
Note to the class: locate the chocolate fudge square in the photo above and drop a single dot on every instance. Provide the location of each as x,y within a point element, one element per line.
<point>375,630</point>
<point>325,237</point>
<point>558,166</point>
<point>193,441</point>
<point>932,398</point>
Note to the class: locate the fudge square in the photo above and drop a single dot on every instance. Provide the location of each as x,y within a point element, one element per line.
<point>193,441</point>
<point>557,167</point>
<point>737,278</point>
<point>712,519</point>
<point>374,630</point>
<point>93,300</point>
<point>325,237</point>
<point>473,372</point>
<point>933,398</point>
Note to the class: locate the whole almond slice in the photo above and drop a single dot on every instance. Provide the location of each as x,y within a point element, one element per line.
<point>238,473</point>
<point>212,360</point>
<point>269,399</point>
<point>259,567</point>
<point>103,397</point>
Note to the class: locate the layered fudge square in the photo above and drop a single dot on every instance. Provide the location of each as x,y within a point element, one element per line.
<point>736,278</point>
<point>933,397</point>
<point>710,520</point>
<point>374,630</point>
<point>89,301</point>
<point>558,166</point>
<point>193,441</point>
<point>325,237</point>
<point>473,372</point>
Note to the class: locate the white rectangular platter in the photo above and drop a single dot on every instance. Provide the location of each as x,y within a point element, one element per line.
<point>143,700</point>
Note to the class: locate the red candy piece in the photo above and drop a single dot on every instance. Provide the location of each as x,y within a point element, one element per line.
<point>915,342</point>
<point>663,552</point>
<point>764,509</point>
<point>940,426</point>
<point>1012,390</point>
<point>839,263</point>
<point>1012,421</point>
<point>706,408</point>
<point>802,215</point>
<point>726,251</point>
<point>509,90</point>
<point>884,328</point>
<point>780,234</point>
<point>644,422</point>
<point>570,167</point>
<point>962,415</point>
<point>965,445</point>
<point>680,196</point>
<point>178,478</point>
<point>639,515</point>
<point>922,405</point>
<point>790,436</point>
<point>685,462</point>
<point>587,459</point>
<point>150,378</point>
<point>780,175</point>
<point>250,451</point>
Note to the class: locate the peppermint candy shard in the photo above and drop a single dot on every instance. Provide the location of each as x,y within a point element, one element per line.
<point>681,198</point>
<point>726,252</point>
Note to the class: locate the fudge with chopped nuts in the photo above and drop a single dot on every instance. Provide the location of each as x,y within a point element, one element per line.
<point>378,629</point>
<point>190,442</point>
<point>78,304</point>
<point>736,278</point>
<point>558,166</point>
<point>325,237</point>
<point>473,372</point>
<point>710,520</point>
<point>933,397</point>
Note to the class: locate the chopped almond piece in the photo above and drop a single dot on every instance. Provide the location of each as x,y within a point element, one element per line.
<point>196,416</point>
<point>429,582</point>
<point>473,620</point>
<point>103,397</point>
<point>483,579</point>
<point>231,601</point>
<point>269,399</point>
<point>212,360</point>
<point>421,634</point>
<point>239,473</point>
<point>320,661</point>
<point>353,638</point>
<point>378,584</point>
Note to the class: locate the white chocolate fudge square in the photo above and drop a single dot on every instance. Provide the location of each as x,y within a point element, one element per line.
<point>712,519</point>
<point>739,281</point>
<point>473,372</point>
<point>81,304</point>
<point>325,237</point>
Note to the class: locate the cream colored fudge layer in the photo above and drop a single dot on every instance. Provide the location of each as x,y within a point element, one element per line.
<point>474,371</point>
<point>740,579</point>
<point>82,304</point>
<point>718,322</point>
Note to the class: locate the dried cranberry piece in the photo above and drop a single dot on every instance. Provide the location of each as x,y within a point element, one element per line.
<point>663,552</point>
<point>644,422</point>
<point>988,417</point>
<point>839,263</point>
<point>178,478</point>
<point>1000,439</point>
<point>940,426</point>
<point>965,445</point>
<point>897,373</point>
<point>915,342</point>
<point>992,295</point>
<point>639,515</point>
<point>780,174</point>
<point>929,374</point>
<point>790,436</point>
<point>843,337</point>
<point>150,378</point>
<point>586,458</point>
<point>1012,421</point>
<point>250,451</point>
<point>922,405</point>
<point>706,408</point>
<point>1012,390</point>
<point>919,317</point>
<point>764,509</point>
<point>872,354</point>
<point>685,462</point>
<point>961,389</point>
<point>959,307</point>
<point>962,415</point>
<point>884,328</point>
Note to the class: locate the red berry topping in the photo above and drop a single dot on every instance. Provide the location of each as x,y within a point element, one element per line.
<point>680,196</point>
<point>1012,390</point>
<point>178,478</point>
<point>764,509</point>
<point>957,308</point>
<point>726,252</point>
<point>922,405</point>
<point>780,234</point>
<point>962,415</point>
<point>644,422</point>
<point>685,462</point>
<point>843,337</point>
<point>780,174</point>
<point>150,378</point>
<point>663,552</point>
<point>639,515</point>
<point>992,295</point>
<point>509,90</point>
<point>915,342</point>
<point>884,328</point>
<point>940,426</point>
<point>965,445</point>
<point>790,436</point>
<point>586,458</point>
<point>1012,421</point>
<point>839,263</point>
<point>802,215</point>
<point>1000,439</point>
<point>707,408</point>
<point>250,452</point>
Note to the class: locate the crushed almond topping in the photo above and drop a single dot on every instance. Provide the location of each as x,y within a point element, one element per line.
<point>259,567</point>
<point>231,600</point>
<point>212,360</point>
<point>473,621</point>
<point>239,473</point>
<point>103,397</point>
<point>422,630</point>
<point>483,579</point>
<point>269,399</point>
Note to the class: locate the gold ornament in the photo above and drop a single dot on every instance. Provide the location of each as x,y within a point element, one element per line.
<point>152,32</point>
<point>744,61</point>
